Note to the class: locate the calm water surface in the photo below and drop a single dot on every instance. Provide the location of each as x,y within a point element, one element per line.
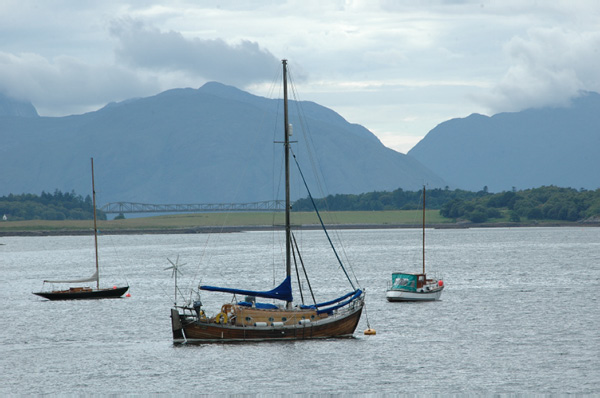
<point>519,314</point>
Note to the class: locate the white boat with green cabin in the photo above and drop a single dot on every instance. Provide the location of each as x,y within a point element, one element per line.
<point>414,287</point>
<point>406,286</point>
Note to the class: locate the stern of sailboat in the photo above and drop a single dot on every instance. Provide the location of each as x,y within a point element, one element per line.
<point>176,325</point>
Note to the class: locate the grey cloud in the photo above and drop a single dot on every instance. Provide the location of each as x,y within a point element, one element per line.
<point>65,85</point>
<point>548,68</point>
<point>148,48</point>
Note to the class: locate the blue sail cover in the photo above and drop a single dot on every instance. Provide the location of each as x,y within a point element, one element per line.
<point>315,306</point>
<point>355,294</point>
<point>329,310</point>
<point>282,292</point>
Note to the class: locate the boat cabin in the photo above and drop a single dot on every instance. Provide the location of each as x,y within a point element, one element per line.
<point>407,281</point>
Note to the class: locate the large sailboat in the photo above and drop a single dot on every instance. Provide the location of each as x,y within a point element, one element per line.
<point>406,286</point>
<point>251,320</point>
<point>85,292</point>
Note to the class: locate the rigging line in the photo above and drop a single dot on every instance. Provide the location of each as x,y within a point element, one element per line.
<point>276,193</point>
<point>119,261</point>
<point>202,259</point>
<point>119,258</point>
<point>207,258</point>
<point>304,270</point>
<point>276,156</point>
<point>273,216</point>
<point>298,274</point>
<point>316,167</point>
<point>321,221</point>
<point>365,308</point>
<point>343,248</point>
<point>258,143</point>
<point>167,294</point>
<point>308,142</point>
<point>416,256</point>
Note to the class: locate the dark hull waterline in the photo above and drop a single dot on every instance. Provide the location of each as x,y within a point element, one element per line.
<point>84,295</point>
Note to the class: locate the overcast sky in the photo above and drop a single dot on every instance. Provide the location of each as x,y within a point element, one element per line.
<point>398,67</point>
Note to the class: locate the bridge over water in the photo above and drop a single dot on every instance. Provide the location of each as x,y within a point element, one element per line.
<point>131,207</point>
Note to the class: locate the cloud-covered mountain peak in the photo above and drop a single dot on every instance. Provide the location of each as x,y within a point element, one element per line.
<point>13,107</point>
<point>527,149</point>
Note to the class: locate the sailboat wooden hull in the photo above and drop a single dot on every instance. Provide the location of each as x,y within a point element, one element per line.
<point>253,321</point>
<point>188,329</point>
<point>84,294</point>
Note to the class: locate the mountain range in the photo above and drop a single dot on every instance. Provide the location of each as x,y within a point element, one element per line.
<point>219,144</point>
<point>214,144</point>
<point>536,147</point>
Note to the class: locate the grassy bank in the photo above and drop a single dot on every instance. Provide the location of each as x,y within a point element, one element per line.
<point>231,222</point>
<point>183,221</point>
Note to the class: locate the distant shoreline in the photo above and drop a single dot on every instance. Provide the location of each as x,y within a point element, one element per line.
<point>248,228</point>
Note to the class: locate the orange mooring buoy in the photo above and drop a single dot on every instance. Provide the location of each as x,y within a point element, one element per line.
<point>370,332</point>
<point>128,295</point>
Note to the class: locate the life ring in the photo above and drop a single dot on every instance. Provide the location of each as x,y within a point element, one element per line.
<point>221,318</point>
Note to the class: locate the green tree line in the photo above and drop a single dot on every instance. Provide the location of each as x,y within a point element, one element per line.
<point>544,203</point>
<point>395,200</point>
<point>48,206</point>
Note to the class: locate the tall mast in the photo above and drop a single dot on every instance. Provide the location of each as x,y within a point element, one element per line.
<point>95,227</point>
<point>286,144</point>
<point>423,229</point>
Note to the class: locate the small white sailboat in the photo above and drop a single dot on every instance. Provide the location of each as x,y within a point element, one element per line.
<point>407,286</point>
